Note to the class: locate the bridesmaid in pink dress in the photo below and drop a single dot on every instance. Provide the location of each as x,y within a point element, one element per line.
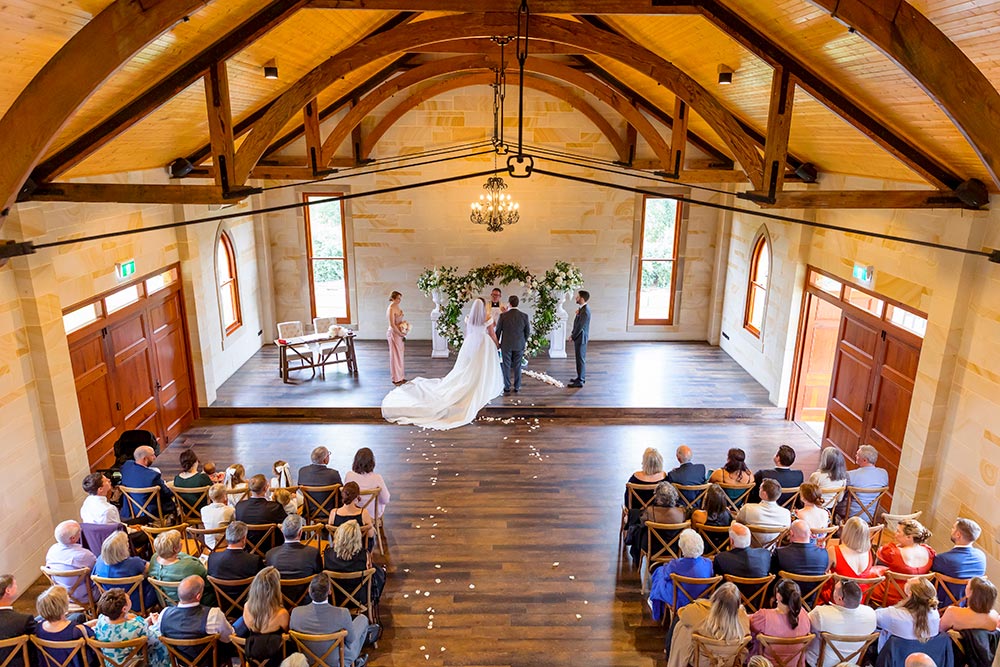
<point>395,336</point>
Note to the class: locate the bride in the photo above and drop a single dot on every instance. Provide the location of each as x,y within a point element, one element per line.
<point>455,399</point>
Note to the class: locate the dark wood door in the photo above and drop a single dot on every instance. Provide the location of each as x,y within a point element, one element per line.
<point>173,384</point>
<point>891,396</point>
<point>95,392</point>
<point>850,387</point>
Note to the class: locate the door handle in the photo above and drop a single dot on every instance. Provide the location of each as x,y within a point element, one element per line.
<point>118,406</point>
<point>158,387</point>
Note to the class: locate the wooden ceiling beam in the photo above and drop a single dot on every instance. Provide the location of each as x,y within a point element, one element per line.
<point>87,143</point>
<point>485,45</point>
<point>853,199</point>
<point>936,63</point>
<point>122,193</point>
<point>537,6</point>
<point>95,52</point>
<point>314,139</point>
<point>678,137</point>
<point>220,123</point>
<point>779,123</point>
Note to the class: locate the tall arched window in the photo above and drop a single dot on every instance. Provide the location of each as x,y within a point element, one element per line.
<point>229,289</point>
<point>760,269</point>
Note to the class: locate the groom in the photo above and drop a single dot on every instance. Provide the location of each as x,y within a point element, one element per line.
<point>513,329</point>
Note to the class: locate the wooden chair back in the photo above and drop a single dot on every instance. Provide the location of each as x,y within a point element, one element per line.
<point>867,512</point>
<point>946,590</point>
<point>261,537</point>
<point>867,584</point>
<point>200,543</point>
<point>836,494</point>
<point>75,648</point>
<point>634,505</point>
<point>353,591</point>
<point>190,511</point>
<point>240,491</point>
<point>892,588</point>
<point>685,586</point>
<point>766,537</point>
<point>131,585</point>
<point>809,586</point>
<point>742,493</point>
<point>710,536</point>
<point>305,643</point>
<point>205,651</point>
<point>11,648</point>
<point>369,501</point>
<point>246,661</point>
<point>319,501</point>
<point>164,590</point>
<point>753,590</point>
<point>791,497</point>
<point>230,594</point>
<point>133,652</point>
<point>662,542</point>
<point>891,521</point>
<point>719,652</point>
<point>150,509</point>
<point>314,535</point>
<point>785,651</point>
<point>835,644</point>
<point>875,538</point>
<point>697,490</point>
<point>295,591</point>
<point>81,593</point>
<point>152,532</point>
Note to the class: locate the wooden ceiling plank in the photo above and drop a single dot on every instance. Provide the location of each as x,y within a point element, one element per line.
<point>937,64</point>
<point>159,93</point>
<point>537,6</point>
<point>853,199</point>
<point>779,124</point>
<point>220,123</point>
<point>124,193</point>
<point>483,44</point>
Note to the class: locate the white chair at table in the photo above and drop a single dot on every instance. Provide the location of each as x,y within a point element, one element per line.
<point>328,348</point>
<point>307,351</point>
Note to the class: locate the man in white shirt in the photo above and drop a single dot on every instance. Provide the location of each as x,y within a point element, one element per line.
<point>68,554</point>
<point>767,512</point>
<point>846,616</point>
<point>96,508</point>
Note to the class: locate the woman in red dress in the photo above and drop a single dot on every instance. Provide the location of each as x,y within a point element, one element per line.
<point>907,555</point>
<point>851,557</point>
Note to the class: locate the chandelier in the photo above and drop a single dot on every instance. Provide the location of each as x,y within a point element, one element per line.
<point>494,208</point>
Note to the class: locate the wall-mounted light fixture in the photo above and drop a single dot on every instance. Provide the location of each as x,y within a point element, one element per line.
<point>271,69</point>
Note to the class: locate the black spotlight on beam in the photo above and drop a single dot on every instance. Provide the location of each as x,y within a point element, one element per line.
<point>995,256</point>
<point>807,172</point>
<point>180,168</point>
<point>973,193</point>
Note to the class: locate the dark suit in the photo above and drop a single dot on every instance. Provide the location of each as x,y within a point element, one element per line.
<point>805,559</point>
<point>959,563</point>
<point>688,474</point>
<point>234,564</point>
<point>580,336</point>
<point>137,476</point>
<point>316,474</point>
<point>258,511</point>
<point>295,560</point>
<point>14,624</point>
<point>513,330</point>
<point>786,477</point>
<point>748,562</point>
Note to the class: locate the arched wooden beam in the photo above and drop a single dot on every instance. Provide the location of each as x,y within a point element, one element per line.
<point>90,56</point>
<point>485,79</point>
<point>936,63</point>
<point>441,29</point>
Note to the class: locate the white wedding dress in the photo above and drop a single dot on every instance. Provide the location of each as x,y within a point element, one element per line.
<point>455,399</point>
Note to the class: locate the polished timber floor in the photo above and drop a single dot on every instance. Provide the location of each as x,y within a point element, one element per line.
<point>522,518</point>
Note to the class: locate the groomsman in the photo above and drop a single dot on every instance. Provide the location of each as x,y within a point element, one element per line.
<point>580,336</point>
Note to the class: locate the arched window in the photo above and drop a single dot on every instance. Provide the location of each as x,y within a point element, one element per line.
<point>760,269</point>
<point>229,289</point>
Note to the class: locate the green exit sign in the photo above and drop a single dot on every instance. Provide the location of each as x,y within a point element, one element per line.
<point>864,275</point>
<point>125,269</point>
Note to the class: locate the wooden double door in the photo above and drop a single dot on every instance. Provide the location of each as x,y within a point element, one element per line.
<point>132,372</point>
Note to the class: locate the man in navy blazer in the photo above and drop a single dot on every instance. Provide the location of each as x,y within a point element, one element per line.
<point>963,561</point>
<point>687,473</point>
<point>782,473</point>
<point>742,560</point>
<point>14,623</point>
<point>138,473</point>
<point>801,556</point>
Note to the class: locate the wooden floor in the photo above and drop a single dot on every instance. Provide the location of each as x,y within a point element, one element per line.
<point>627,375</point>
<point>496,505</point>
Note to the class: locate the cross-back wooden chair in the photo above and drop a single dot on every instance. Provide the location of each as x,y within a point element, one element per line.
<point>836,494</point>
<point>353,591</point>
<point>716,539</point>
<point>719,652</point>
<point>261,537</point>
<point>131,585</point>
<point>867,584</point>
<point>319,501</point>
<point>190,511</point>
<point>240,644</point>
<point>766,537</point>
<point>75,648</point>
<point>77,582</point>
<point>753,590</point>
<point>126,653</point>
<point>741,492</point>
<point>201,652</point>
<point>875,538</point>
<point>697,493</point>
<point>946,587</point>
<point>305,644</point>
<point>692,588</point>
<point>845,648</point>
<point>662,543</point>
<point>893,585</point>
<point>809,586</point>
<point>294,591</point>
<point>153,531</point>
<point>199,542</point>
<point>867,512</point>
<point>166,591</point>
<point>369,501</point>
<point>11,648</point>
<point>634,505</point>
<point>238,493</point>
<point>790,494</point>
<point>785,651</point>
<point>314,535</point>
<point>891,521</point>
<point>144,502</point>
<point>230,594</point>
<point>820,535</point>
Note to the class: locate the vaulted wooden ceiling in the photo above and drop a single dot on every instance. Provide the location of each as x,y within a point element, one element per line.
<point>880,88</point>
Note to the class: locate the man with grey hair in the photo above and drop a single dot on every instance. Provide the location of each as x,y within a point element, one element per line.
<point>140,474</point>
<point>320,618</point>
<point>318,473</point>
<point>687,473</point>
<point>963,561</point>
<point>68,554</point>
<point>866,476</point>
<point>742,560</point>
<point>234,562</point>
<point>293,559</point>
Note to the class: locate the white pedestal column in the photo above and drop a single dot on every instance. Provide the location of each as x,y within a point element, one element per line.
<point>557,337</point>
<point>439,346</point>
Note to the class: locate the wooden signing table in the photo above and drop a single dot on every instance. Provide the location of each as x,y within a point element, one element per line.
<point>309,352</point>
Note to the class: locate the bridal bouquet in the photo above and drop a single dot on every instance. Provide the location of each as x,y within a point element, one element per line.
<point>404,326</point>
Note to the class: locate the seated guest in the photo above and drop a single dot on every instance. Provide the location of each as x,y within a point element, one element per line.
<point>812,511</point>
<point>96,508</point>
<point>735,471</point>
<point>767,512</point>
<point>116,623</point>
<point>282,475</point>
<point>280,487</point>
<point>866,476</point>
<point>348,511</point>
<point>235,562</point>
<point>190,477</point>
<point>257,509</point>
<point>216,514</point>
<point>171,564</point>
<point>687,473</point>
<point>288,500</point>
<point>845,616</point>
<point>139,474</point>
<point>363,473</point>
<point>919,660</point>
<point>915,617</point>
<point>801,555</point>
<point>320,618</point>
<point>192,620</point>
<point>831,478</point>
<point>666,507</point>
<point>209,468</point>
<point>722,618</point>
<point>742,560</point>
<point>265,619</point>
<point>714,512</point>
<point>68,554</point>
<point>318,473</point>
<point>787,620</point>
<point>115,562</point>
<point>690,564</point>
<point>53,607</point>
<point>235,480</point>
<point>13,623</point>
<point>852,556</point>
<point>348,555</point>
<point>963,561</point>
<point>908,554</point>
<point>293,559</point>
<point>782,473</point>
<point>979,615</point>
<point>651,473</point>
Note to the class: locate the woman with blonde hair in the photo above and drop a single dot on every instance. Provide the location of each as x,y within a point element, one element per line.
<point>722,617</point>
<point>170,564</point>
<point>348,555</point>
<point>915,617</point>
<point>53,607</point>
<point>651,473</point>
<point>218,513</point>
<point>265,618</point>
<point>909,553</point>
<point>851,556</point>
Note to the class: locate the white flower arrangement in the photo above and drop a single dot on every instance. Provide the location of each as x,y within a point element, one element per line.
<point>404,327</point>
<point>543,377</point>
